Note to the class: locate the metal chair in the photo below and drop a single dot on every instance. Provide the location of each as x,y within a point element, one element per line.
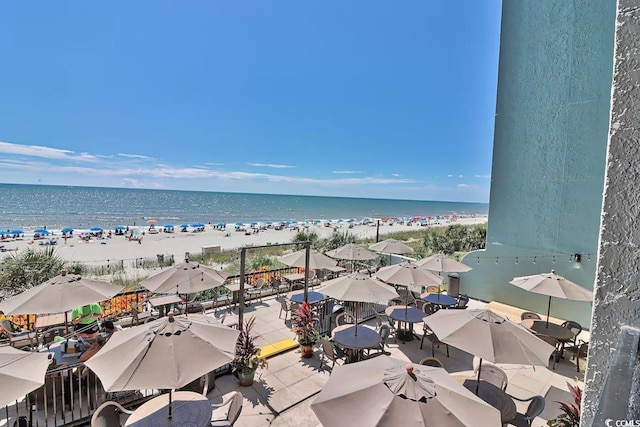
<point>20,339</point>
<point>255,290</point>
<point>575,329</point>
<point>284,306</point>
<point>463,300</point>
<point>429,335</point>
<point>344,319</point>
<point>227,413</point>
<point>535,408</point>
<point>556,344</point>
<point>109,414</point>
<point>433,289</point>
<point>332,353</point>
<point>431,361</point>
<point>494,375</point>
<point>529,315</point>
<point>578,351</point>
<point>385,332</point>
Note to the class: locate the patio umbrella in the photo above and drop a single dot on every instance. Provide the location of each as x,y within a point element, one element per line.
<point>21,372</point>
<point>554,286</point>
<point>408,274</point>
<point>391,246</point>
<point>387,392</point>
<point>59,294</point>
<point>442,264</point>
<point>167,353</point>
<point>352,252</point>
<point>317,260</point>
<point>489,336</point>
<point>185,278</point>
<point>357,287</point>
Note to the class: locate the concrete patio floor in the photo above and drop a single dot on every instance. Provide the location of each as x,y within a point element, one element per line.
<point>282,394</point>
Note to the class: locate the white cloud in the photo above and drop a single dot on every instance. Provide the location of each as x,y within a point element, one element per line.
<point>347,172</point>
<point>483,176</point>
<point>44,152</point>
<point>270,165</point>
<point>135,156</point>
<point>449,176</point>
<point>395,174</point>
<point>460,176</point>
<point>465,186</point>
<point>214,164</point>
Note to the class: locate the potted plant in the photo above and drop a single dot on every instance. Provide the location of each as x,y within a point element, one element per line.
<point>247,358</point>
<point>570,416</point>
<point>304,320</point>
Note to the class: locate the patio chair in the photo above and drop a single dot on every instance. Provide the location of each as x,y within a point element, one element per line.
<point>463,300</point>
<point>332,353</point>
<point>529,315</point>
<point>429,308</point>
<point>382,320</point>
<point>433,289</point>
<point>227,413</point>
<point>406,297</point>
<point>344,319</point>
<point>109,414</point>
<point>199,385</point>
<point>431,361</point>
<point>420,304</point>
<point>556,345</point>
<point>494,375</point>
<point>255,290</point>
<point>279,286</point>
<point>578,351</point>
<point>385,332</point>
<point>429,335</point>
<point>284,306</point>
<point>535,408</point>
<point>575,329</point>
<point>18,339</point>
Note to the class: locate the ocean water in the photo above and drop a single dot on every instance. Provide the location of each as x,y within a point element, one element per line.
<point>34,206</point>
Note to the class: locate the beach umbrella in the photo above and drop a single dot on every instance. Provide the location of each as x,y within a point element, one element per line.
<point>489,336</point>
<point>167,353</point>
<point>67,230</point>
<point>41,231</point>
<point>184,225</point>
<point>391,246</point>
<point>185,278</point>
<point>554,286</point>
<point>152,221</point>
<point>408,274</point>
<point>317,260</point>
<point>358,287</point>
<point>16,231</point>
<point>442,264</point>
<point>120,227</point>
<point>3,233</point>
<point>220,224</point>
<point>59,294</point>
<point>168,226</point>
<point>384,391</point>
<point>21,372</point>
<point>352,252</point>
<point>95,229</point>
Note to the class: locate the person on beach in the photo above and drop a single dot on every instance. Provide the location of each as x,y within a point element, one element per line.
<point>85,319</point>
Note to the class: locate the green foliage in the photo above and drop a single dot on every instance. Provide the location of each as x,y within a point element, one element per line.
<point>31,267</point>
<point>304,321</point>
<point>455,238</point>
<point>335,240</point>
<point>303,236</point>
<point>258,261</point>
<point>570,416</point>
<point>247,357</point>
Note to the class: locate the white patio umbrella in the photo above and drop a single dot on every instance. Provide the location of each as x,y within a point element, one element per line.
<point>185,278</point>
<point>489,336</point>
<point>391,246</point>
<point>317,260</point>
<point>357,287</point>
<point>387,392</point>
<point>408,274</point>
<point>442,264</point>
<point>21,372</point>
<point>167,353</point>
<point>352,252</point>
<point>554,286</point>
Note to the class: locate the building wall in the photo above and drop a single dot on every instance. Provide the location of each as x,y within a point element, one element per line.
<point>551,129</point>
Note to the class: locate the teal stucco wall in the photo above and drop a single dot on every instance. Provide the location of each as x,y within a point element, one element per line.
<point>552,121</point>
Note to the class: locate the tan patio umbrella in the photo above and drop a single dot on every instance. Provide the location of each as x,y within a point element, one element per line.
<point>21,372</point>
<point>352,252</point>
<point>357,287</point>
<point>408,274</point>
<point>391,246</point>
<point>185,278</point>
<point>554,286</point>
<point>167,353</point>
<point>442,264</point>
<point>386,392</point>
<point>317,260</point>
<point>489,336</point>
<point>59,294</point>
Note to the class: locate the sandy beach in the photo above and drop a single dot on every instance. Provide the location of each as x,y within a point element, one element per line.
<point>99,251</point>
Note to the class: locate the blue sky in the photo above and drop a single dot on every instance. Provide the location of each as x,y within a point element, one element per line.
<point>341,98</point>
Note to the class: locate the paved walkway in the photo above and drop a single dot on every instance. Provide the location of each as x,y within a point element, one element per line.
<point>281,395</point>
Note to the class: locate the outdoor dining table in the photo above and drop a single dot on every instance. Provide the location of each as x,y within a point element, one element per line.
<point>47,320</point>
<point>56,351</point>
<point>540,327</point>
<point>440,299</point>
<point>235,292</point>
<point>163,303</point>
<point>312,296</point>
<point>345,336</point>
<point>495,397</point>
<point>188,409</point>
<point>405,315</point>
<point>293,278</point>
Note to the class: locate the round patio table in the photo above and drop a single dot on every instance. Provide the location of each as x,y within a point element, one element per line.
<point>495,397</point>
<point>312,296</point>
<point>188,409</point>
<point>408,316</point>
<point>440,299</point>
<point>540,327</point>
<point>345,336</point>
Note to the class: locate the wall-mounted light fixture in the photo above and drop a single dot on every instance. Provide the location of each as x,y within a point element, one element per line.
<point>577,257</point>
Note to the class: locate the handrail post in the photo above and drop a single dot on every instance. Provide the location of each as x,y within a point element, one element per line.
<point>307,246</point>
<point>243,258</point>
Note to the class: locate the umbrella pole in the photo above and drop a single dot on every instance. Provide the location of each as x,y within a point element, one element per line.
<point>66,323</point>
<point>170,413</point>
<point>356,320</point>
<point>548,311</point>
<point>478,381</point>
